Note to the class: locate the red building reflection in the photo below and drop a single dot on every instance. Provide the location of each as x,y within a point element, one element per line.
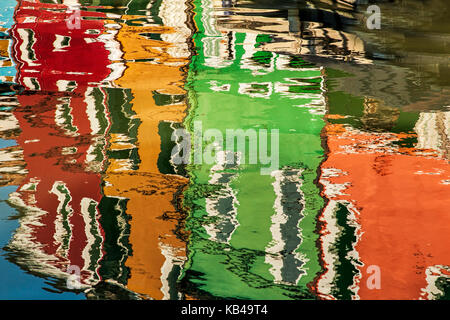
<point>63,123</point>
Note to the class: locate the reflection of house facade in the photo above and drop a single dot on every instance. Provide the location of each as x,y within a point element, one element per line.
<point>412,57</point>
<point>387,203</point>
<point>63,123</point>
<point>71,125</point>
<point>307,28</point>
<point>155,55</point>
<point>252,235</point>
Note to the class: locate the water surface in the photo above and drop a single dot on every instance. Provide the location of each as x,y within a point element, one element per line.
<point>96,95</point>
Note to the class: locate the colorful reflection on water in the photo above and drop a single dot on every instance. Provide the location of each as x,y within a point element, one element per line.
<point>94,94</point>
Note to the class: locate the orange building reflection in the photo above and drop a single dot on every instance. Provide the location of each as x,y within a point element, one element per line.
<point>394,201</point>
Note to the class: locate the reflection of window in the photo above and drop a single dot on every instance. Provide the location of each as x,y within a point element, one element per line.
<point>65,85</point>
<point>222,205</point>
<point>260,62</point>
<point>61,42</point>
<point>339,245</point>
<point>256,90</point>
<point>162,99</point>
<point>63,227</point>
<point>282,251</point>
<point>26,48</point>
<point>216,87</point>
<point>307,91</point>
<point>31,83</point>
<point>292,63</point>
<point>114,221</point>
<point>93,249</point>
<point>151,36</point>
<point>312,85</point>
<point>263,58</point>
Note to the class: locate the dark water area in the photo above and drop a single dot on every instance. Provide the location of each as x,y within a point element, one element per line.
<point>204,149</point>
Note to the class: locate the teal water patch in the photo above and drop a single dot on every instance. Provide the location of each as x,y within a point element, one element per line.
<point>7,143</point>
<point>7,8</point>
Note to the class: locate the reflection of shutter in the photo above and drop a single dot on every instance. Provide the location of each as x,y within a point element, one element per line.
<point>170,271</point>
<point>99,123</point>
<point>154,11</point>
<point>223,204</point>
<point>63,227</point>
<point>282,252</point>
<point>123,129</point>
<point>165,163</point>
<point>92,251</point>
<point>339,255</point>
<point>114,222</point>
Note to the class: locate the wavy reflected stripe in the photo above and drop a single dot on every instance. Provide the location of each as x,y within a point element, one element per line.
<point>64,117</point>
<point>217,45</point>
<point>70,122</point>
<point>224,204</point>
<point>100,123</point>
<point>340,235</point>
<point>282,253</point>
<point>174,260</point>
<point>64,212</point>
<point>28,55</point>
<point>92,252</point>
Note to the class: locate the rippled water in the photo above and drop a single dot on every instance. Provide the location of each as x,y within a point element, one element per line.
<point>348,195</point>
